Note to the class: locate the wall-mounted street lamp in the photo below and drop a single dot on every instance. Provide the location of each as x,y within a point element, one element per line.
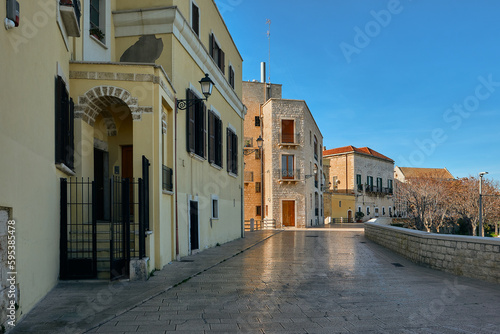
<point>481,230</point>
<point>206,88</point>
<point>260,142</point>
<point>311,175</point>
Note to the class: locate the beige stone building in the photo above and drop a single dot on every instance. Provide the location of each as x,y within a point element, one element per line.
<point>360,180</point>
<point>403,174</point>
<point>104,173</point>
<point>283,180</point>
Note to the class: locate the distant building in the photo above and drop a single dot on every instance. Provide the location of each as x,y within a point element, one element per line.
<point>403,174</point>
<point>360,180</point>
<point>289,193</point>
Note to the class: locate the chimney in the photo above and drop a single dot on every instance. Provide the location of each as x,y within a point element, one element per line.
<point>262,72</point>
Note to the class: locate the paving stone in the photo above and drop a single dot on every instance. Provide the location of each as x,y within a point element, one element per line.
<point>287,284</point>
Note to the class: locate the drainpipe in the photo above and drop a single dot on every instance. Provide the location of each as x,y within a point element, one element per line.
<point>175,195</point>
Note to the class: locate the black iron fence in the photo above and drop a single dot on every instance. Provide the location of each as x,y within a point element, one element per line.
<point>103,221</point>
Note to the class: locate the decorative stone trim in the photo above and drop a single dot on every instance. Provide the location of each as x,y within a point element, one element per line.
<point>98,99</point>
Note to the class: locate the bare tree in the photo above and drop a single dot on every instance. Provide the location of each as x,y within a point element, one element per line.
<point>427,201</point>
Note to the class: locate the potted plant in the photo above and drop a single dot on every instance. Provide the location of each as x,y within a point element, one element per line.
<point>97,33</point>
<point>359,216</point>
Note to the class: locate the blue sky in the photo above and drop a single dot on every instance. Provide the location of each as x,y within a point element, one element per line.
<point>416,80</point>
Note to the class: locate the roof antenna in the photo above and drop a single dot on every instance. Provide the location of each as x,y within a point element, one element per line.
<point>268,21</point>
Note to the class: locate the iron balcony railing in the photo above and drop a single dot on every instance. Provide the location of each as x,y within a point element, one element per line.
<point>167,183</point>
<point>289,174</point>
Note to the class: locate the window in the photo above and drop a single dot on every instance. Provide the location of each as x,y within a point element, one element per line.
<point>379,184</point>
<point>390,211</point>
<point>383,211</point>
<point>340,204</point>
<point>287,171</point>
<point>167,180</point>
<point>195,18</point>
<point>257,121</point>
<point>367,210</point>
<point>287,130</point>
<point>232,152</point>
<point>389,184</point>
<point>216,53</point>
<point>315,148</point>
<point>64,125</point>
<point>214,139</point>
<point>94,14</point>
<point>369,182</point>
<point>257,187</point>
<point>334,182</point>
<point>359,183</point>
<point>196,129</point>
<point>215,207</point>
<point>231,76</point>
<point>258,210</point>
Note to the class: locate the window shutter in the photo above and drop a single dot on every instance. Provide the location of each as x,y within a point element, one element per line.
<point>196,19</point>
<point>190,124</point>
<point>219,142</point>
<point>204,132</point>
<point>211,137</point>
<point>222,61</point>
<point>235,154</point>
<point>58,120</point>
<point>71,135</point>
<point>212,46</point>
<point>228,149</point>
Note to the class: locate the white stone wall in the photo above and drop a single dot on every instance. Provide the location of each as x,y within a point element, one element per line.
<point>469,256</point>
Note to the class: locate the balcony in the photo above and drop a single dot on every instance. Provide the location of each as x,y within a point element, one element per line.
<point>70,15</point>
<point>289,140</point>
<point>248,177</point>
<point>374,190</point>
<point>167,183</point>
<point>288,176</point>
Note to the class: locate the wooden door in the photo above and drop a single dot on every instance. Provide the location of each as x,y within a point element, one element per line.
<point>349,216</point>
<point>288,213</point>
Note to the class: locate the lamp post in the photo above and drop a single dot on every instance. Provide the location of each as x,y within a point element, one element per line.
<point>481,230</point>
<point>206,88</point>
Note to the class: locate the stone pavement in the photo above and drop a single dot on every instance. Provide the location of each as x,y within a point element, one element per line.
<point>297,281</point>
<point>75,306</point>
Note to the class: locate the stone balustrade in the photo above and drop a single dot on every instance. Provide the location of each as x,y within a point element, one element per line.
<point>474,257</point>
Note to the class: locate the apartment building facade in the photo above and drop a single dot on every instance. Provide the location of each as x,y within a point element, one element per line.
<point>283,184</point>
<point>114,137</point>
<point>361,180</point>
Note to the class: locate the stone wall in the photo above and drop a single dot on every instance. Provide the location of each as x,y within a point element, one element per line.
<point>469,256</point>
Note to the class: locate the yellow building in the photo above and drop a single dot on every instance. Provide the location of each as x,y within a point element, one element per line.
<point>97,142</point>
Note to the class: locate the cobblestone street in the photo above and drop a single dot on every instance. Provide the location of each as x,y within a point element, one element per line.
<point>318,282</point>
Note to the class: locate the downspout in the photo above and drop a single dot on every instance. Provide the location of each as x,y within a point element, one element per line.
<point>175,195</point>
<point>241,189</point>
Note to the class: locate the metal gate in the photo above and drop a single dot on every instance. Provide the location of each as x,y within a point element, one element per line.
<point>124,230</point>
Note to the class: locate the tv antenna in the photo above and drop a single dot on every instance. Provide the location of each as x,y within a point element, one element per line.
<point>268,22</point>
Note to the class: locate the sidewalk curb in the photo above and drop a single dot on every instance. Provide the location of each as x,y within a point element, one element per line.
<point>178,283</point>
